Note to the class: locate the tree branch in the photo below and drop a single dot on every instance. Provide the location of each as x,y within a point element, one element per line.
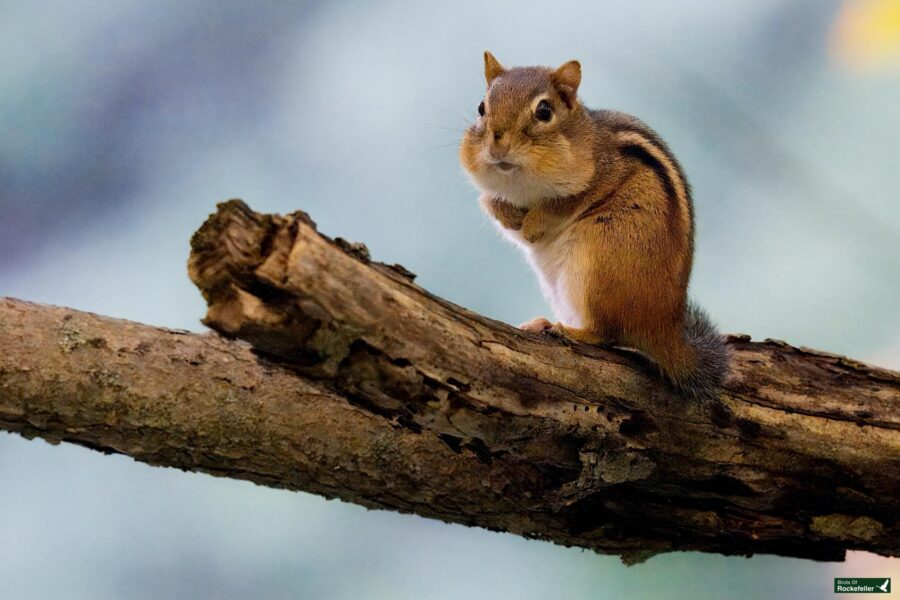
<point>363,386</point>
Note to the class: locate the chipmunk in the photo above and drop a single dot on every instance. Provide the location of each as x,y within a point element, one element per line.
<point>603,213</point>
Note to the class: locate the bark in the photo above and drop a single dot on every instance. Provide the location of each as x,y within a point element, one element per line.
<point>358,384</point>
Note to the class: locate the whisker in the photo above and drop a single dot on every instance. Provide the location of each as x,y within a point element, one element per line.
<point>456,114</point>
<point>437,148</point>
<point>457,129</point>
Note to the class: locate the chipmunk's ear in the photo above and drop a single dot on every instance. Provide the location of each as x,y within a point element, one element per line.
<point>567,78</point>
<point>492,68</point>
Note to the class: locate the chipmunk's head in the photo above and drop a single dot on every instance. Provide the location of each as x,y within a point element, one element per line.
<point>531,139</point>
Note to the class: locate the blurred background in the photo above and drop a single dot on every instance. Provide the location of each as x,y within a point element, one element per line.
<point>122,123</point>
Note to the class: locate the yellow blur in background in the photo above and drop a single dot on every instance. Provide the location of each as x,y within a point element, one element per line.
<point>866,35</point>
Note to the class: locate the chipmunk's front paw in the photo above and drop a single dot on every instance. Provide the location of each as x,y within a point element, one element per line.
<point>532,230</point>
<point>538,325</point>
<point>509,216</point>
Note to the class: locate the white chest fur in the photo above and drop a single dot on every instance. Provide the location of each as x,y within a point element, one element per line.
<point>551,262</point>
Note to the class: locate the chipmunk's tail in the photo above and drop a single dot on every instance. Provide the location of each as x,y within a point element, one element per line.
<point>698,367</point>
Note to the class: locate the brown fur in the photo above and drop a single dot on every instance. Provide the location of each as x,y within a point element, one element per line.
<point>601,208</point>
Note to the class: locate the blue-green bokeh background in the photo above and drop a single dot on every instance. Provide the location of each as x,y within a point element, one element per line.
<point>123,122</point>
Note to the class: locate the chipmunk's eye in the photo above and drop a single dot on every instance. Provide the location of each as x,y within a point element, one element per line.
<point>543,112</point>
<point>481,109</point>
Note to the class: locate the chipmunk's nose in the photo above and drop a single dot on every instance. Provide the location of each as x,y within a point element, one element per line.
<point>499,147</point>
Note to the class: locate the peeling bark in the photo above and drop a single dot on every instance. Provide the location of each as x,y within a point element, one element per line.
<point>362,385</point>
